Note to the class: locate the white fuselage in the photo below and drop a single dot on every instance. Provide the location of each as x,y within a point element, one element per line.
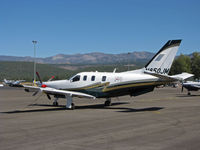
<point>112,78</point>
<point>102,82</point>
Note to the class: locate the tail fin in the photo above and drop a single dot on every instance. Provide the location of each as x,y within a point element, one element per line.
<point>162,61</point>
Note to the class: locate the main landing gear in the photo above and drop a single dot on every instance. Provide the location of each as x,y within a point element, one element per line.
<point>69,102</point>
<point>107,102</point>
<point>189,93</point>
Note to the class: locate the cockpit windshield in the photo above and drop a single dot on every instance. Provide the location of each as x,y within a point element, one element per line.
<point>75,78</point>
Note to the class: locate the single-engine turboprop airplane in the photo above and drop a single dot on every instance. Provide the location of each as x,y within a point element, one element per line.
<point>111,84</point>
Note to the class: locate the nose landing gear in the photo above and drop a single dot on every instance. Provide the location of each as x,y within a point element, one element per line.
<point>107,102</point>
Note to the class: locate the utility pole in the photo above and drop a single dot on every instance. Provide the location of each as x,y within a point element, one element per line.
<point>34,70</point>
<point>129,60</point>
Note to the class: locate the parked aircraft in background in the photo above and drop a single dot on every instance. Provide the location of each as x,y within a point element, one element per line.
<point>191,86</point>
<point>111,84</point>
<point>13,83</point>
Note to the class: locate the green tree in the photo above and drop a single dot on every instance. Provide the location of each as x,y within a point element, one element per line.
<point>195,65</point>
<point>181,64</point>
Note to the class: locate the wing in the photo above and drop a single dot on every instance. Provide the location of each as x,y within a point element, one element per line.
<point>53,91</point>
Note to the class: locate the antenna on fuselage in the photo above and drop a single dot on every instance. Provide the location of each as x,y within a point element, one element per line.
<point>114,70</point>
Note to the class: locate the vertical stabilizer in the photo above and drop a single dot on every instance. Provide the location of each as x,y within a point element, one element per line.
<point>162,61</point>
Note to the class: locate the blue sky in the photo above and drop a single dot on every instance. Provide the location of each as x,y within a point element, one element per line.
<point>109,26</point>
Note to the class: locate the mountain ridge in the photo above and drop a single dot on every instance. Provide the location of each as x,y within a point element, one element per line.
<point>85,58</point>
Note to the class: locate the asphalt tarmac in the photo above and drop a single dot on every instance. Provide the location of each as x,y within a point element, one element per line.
<point>164,119</point>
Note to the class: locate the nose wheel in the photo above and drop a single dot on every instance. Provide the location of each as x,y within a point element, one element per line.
<point>107,102</point>
<point>55,103</point>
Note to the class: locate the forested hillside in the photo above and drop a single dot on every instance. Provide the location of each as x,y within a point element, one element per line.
<point>190,64</point>
<point>24,70</point>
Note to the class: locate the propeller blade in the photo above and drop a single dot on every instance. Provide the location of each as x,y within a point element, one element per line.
<point>39,77</point>
<point>51,78</point>
<point>49,97</point>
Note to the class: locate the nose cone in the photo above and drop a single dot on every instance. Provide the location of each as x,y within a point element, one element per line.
<point>59,84</point>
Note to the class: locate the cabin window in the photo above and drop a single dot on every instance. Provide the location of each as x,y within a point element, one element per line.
<point>104,78</point>
<point>92,78</point>
<point>84,78</point>
<point>76,78</point>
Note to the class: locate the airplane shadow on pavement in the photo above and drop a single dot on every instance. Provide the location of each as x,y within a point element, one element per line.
<point>95,106</point>
<point>192,95</point>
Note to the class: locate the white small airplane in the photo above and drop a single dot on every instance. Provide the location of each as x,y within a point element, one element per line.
<point>191,86</point>
<point>13,83</point>
<point>112,84</point>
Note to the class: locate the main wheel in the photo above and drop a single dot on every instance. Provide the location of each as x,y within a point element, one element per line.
<point>73,106</point>
<point>189,93</point>
<point>55,103</point>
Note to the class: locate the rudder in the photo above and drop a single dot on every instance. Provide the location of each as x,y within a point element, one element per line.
<point>162,61</point>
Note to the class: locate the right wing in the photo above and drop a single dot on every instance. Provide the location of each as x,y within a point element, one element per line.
<point>53,91</point>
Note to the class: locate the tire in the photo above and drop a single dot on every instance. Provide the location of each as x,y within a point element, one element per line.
<point>73,106</point>
<point>107,103</point>
<point>55,103</point>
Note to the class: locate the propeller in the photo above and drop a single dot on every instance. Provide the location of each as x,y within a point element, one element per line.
<point>43,85</point>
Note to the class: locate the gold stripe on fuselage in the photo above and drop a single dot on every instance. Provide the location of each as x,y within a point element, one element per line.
<point>92,86</point>
<point>106,89</point>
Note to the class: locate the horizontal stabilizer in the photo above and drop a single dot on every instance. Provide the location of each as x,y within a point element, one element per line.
<point>161,76</point>
<point>178,77</point>
<point>182,76</point>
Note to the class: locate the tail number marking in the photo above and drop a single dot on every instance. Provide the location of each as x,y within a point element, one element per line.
<point>159,70</point>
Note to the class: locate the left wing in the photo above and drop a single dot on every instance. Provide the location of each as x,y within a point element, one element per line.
<point>53,91</point>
